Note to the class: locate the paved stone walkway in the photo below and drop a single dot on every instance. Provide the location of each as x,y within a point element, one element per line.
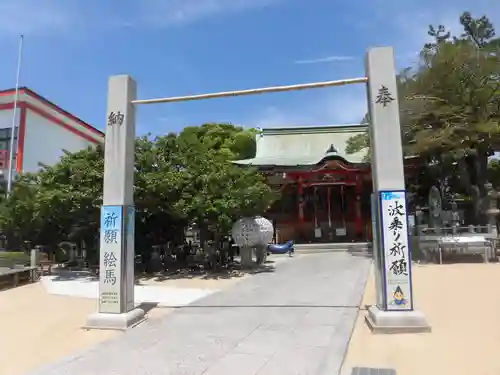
<point>296,320</point>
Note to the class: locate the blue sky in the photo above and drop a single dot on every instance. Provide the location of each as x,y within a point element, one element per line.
<point>177,47</point>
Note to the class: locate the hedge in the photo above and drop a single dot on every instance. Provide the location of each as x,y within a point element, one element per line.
<point>10,258</point>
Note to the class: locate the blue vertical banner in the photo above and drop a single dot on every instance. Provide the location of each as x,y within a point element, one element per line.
<point>130,256</point>
<point>398,292</point>
<point>110,269</point>
<point>377,252</point>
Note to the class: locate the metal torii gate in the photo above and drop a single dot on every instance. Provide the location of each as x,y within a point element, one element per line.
<point>394,310</point>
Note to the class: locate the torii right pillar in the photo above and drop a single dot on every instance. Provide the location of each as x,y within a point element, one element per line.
<point>394,311</point>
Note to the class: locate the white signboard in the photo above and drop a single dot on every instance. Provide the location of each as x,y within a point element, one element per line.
<point>397,261</point>
<point>462,239</point>
<point>341,232</point>
<point>110,262</point>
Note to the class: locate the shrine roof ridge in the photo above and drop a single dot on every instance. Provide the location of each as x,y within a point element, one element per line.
<point>349,128</point>
<point>294,161</point>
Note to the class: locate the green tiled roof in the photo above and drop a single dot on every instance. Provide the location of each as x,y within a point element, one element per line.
<point>304,146</point>
<point>291,161</point>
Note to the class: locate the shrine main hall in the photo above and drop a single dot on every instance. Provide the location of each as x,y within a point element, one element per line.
<point>325,192</point>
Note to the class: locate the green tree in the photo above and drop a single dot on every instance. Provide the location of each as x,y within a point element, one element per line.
<point>157,187</point>
<point>18,218</point>
<point>215,191</point>
<point>494,173</point>
<point>58,200</point>
<point>179,179</point>
<point>450,105</point>
<point>233,141</point>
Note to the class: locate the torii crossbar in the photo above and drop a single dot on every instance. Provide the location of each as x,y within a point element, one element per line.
<point>394,310</point>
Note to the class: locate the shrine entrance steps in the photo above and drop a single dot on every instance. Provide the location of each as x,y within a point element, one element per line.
<point>354,247</point>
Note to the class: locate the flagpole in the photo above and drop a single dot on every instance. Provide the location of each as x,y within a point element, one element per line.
<point>14,118</point>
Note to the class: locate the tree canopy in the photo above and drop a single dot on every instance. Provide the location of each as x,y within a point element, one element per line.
<point>180,179</point>
<point>450,103</point>
<point>451,100</point>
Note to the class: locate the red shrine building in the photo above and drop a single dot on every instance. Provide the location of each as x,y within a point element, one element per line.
<point>325,192</point>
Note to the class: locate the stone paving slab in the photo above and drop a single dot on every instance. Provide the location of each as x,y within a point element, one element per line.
<point>296,320</point>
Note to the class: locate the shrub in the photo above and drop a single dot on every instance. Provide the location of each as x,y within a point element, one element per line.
<point>10,258</point>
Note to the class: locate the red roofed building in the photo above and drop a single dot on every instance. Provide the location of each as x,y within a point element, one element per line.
<point>43,131</point>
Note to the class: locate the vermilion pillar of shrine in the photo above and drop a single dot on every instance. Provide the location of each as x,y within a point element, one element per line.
<point>357,208</point>
<point>300,198</point>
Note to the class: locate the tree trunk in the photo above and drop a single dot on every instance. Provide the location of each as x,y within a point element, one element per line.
<point>246,256</point>
<point>489,194</point>
<point>471,189</point>
<point>203,228</point>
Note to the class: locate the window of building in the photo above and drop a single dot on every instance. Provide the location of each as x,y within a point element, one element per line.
<point>5,133</point>
<point>5,146</point>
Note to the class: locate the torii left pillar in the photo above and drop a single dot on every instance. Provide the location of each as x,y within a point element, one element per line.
<point>116,270</point>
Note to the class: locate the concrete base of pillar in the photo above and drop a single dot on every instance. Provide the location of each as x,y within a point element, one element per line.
<point>118,322</point>
<point>381,321</point>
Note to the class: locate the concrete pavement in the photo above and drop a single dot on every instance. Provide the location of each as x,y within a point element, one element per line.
<point>88,287</point>
<point>295,320</point>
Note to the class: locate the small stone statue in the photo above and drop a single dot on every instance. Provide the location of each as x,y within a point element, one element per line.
<point>491,206</point>
<point>455,217</point>
<point>435,208</point>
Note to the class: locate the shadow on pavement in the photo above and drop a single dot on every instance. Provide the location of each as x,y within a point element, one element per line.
<point>173,273</point>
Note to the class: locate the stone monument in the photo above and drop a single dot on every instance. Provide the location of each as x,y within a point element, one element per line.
<point>394,312</point>
<point>435,203</point>
<point>117,253</point>
<point>252,233</point>
<point>492,210</point>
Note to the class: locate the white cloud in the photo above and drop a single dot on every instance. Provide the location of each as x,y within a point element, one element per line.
<point>63,17</point>
<point>276,117</point>
<point>405,28</point>
<point>35,16</point>
<point>165,13</point>
<point>324,60</point>
<point>342,106</point>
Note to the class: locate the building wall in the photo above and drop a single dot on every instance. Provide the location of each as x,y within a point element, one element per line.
<point>5,133</point>
<point>6,119</point>
<point>44,142</point>
<point>44,130</point>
